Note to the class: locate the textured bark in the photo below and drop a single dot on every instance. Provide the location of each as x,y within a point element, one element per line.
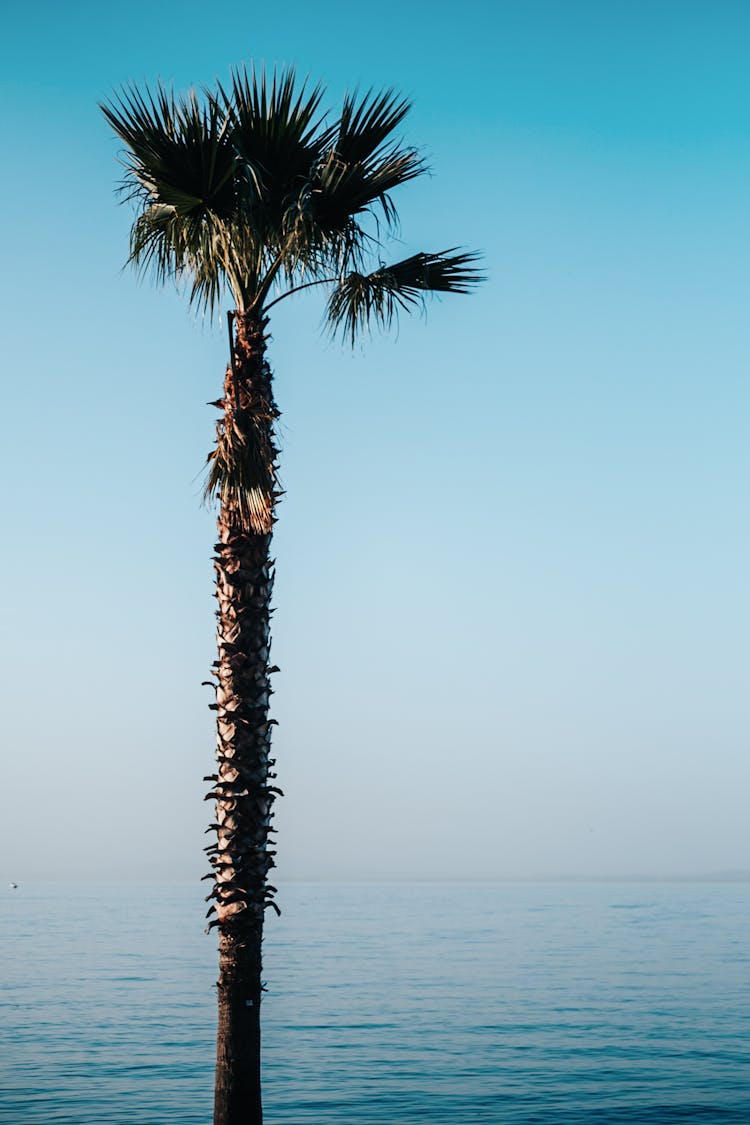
<point>241,855</point>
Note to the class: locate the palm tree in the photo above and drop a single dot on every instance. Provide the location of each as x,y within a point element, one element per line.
<point>250,192</point>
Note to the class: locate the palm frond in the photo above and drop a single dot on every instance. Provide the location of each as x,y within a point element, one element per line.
<point>327,217</point>
<point>275,131</point>
<point>340,190</point>
<point>181,167</point>
<point>178,151</point>
<point>359,300</point>
<point>363,127</point>
<point>359,166</point>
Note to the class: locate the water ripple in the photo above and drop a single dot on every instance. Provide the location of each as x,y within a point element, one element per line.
<point>555,1004</point>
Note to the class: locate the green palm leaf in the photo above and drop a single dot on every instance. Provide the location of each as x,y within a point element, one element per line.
<point>182,167</point>
<point>364,127</point>
<point>359,166</point>
<point>360,300</point>
<point>276,134</point>
<point>178,151</point>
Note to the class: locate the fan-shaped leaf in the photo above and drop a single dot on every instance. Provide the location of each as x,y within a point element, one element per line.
<point>360,300</point>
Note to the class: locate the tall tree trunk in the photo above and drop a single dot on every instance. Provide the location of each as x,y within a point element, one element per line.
<point>241,857</point>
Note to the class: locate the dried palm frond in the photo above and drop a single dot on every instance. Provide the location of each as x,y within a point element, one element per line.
<point>242,472</point>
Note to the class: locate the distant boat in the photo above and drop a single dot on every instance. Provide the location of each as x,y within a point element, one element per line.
<point>14,886</point>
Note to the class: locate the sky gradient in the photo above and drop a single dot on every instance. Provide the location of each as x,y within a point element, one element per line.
<point>512,593</point>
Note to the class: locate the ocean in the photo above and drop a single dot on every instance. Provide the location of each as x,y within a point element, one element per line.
<point>387,1004</point>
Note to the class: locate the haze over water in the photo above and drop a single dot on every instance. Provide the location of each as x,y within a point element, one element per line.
<point>387,1005</point>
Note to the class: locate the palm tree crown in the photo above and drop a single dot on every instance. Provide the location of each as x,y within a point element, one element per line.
<point>249,191</point>
<point>249,188</point>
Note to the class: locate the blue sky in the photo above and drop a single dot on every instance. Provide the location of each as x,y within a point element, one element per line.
<point>512,611</point>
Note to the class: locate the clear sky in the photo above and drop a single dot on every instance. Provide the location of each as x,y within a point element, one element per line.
<point>514,556</point>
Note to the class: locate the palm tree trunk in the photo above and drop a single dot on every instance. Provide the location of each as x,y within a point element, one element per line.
<point>243,789</point>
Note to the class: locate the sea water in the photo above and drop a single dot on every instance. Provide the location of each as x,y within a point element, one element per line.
<point>406,1004</point>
